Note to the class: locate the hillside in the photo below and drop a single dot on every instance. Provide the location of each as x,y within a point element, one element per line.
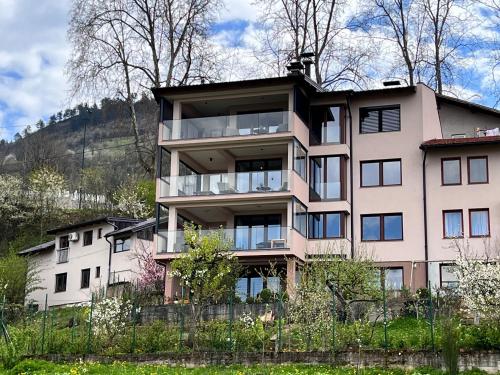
<point>108,142</point>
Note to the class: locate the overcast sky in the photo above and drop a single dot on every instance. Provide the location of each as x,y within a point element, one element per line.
<point>34,50</point>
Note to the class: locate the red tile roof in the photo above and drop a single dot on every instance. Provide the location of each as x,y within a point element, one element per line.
<point>453,142</point>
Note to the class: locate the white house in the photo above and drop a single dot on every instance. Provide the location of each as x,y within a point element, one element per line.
<point>88,257</point>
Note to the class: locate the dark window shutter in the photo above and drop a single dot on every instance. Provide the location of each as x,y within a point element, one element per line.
<point>390,120</point>
<point>369,121</point>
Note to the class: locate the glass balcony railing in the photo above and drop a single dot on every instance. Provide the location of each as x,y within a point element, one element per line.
<point>226,126</point>
<point>225,183</point>
<point>242,238</point>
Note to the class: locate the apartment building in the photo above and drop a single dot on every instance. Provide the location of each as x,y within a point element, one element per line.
<point>291,171</point>
<point>93,256</point>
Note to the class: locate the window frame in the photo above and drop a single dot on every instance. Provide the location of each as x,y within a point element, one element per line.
<point>471,210</point>
<point>441,265</point>
<point>469,158</point>
<point>296,144</point>
<point>443,160</point>
<point>383,278</point>
<point>380,163</point>
<point>342,175</point>
<point>98,272</point>
<point>323,110</point>
<point>123,239</point>
<point>324,213</point>
<point>99,233</point>
<point>65,274</point>
<point>379,109</point>
<point>382,226</point>
<point>294,201</point>
<point>461,222</point>
<point>85,233</point>
<point>82,279</point>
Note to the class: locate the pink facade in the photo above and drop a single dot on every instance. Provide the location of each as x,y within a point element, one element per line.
<point>291,172</point>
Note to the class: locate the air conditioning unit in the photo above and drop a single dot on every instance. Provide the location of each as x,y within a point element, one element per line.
<point>73,236</point>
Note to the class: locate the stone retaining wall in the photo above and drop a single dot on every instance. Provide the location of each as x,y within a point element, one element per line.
<point>484,360</point>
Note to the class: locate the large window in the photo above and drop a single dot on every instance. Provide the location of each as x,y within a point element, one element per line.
<point>327,125</point>
<point>63,242</point>
<point>87,237</point>
<point>393,278</point>
<point>327,178</point>
<point>448,275</point>
<point>299,159</point>
<point>478,169</point>
<point>453,224</point>
<point>258,232</point>
<point>380,119</point>
<point>382,227</point>
<point>85,280</point>
<point>257,175</point>
<point>61,279</point>
<point>479,222</point>
<point>252,286</point>
<point>299,217</point>
<point>380,173</point>
<point>326,225</point>
<point>451,171</point>
<point>122,244</point>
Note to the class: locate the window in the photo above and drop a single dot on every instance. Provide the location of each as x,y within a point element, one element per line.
<point>479,222</point>
<point>299,217</point>
<point>380,173</point>
<point>299,159</point>
<point>257,232</point>
<point>451,171</point>
<point>145,234</point>
<point>61,279</point>
<point>393,278</point>
<point>327,125</point>
<point>383,227</point>
<point>63,242</point>
<point>87,237</point>
<point>327,178</point>
<point>326,225</point>
<point>448,275</point>
<point>478,169</point>
<point>452,224</point>
<point>99,233</point>
<point>383,119</point>
<point>257,176</point>
<point>85,280</point>
<point>97,272</point>
<point>122,244</point>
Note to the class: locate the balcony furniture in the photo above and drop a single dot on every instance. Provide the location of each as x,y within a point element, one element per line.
<point>263,188</point>
<point>278,243</point>
<point>263,245</point>
<point>204,192</point>
<point>284,187</point>
<point>225,188</point>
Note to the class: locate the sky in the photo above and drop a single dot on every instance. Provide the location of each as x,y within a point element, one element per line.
<point>34,50</point>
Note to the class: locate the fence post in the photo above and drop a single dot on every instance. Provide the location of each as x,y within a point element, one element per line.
<point>89,333</point>
<point>43,323</point>
<point>385,314</point>
<point>180,310</point>
<point>334,316</point>
<point>431,317</point>
<point>231,317</point>
<point>280,321</point>
<point>134,321</point>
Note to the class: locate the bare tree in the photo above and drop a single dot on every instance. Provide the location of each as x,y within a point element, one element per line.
<point>404,25</point>
<point>293,27</point>
<point>447,32</point>
<point>124,47</point>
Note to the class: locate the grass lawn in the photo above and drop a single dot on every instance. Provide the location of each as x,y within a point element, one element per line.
<point>43,367</point>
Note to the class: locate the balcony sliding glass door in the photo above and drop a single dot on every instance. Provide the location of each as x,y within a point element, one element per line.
<point>258,175</point>
<point>257,232</point>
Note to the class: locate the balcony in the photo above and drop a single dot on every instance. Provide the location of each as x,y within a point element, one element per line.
<point>62,255</point>
<point>225,183</point>
<point>242,239</point>
<point>226,126</point>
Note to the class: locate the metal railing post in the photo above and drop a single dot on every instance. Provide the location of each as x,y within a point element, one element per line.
<point>43,323</point>
<point>431,317</point>
<point>89,333</point>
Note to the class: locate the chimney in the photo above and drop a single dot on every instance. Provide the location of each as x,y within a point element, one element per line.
<point>306,58</point>
<point>295,68</point>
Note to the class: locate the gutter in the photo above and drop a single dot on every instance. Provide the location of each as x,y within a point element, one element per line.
<point>426,243</point>
<point>110,250</point>
<point>351,172</point>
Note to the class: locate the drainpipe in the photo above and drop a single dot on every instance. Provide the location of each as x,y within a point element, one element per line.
<point>110,250</point>
<point>426,245</point>
<point>351,173</point>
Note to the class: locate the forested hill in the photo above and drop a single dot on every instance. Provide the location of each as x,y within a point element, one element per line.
<point>108,142</point>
